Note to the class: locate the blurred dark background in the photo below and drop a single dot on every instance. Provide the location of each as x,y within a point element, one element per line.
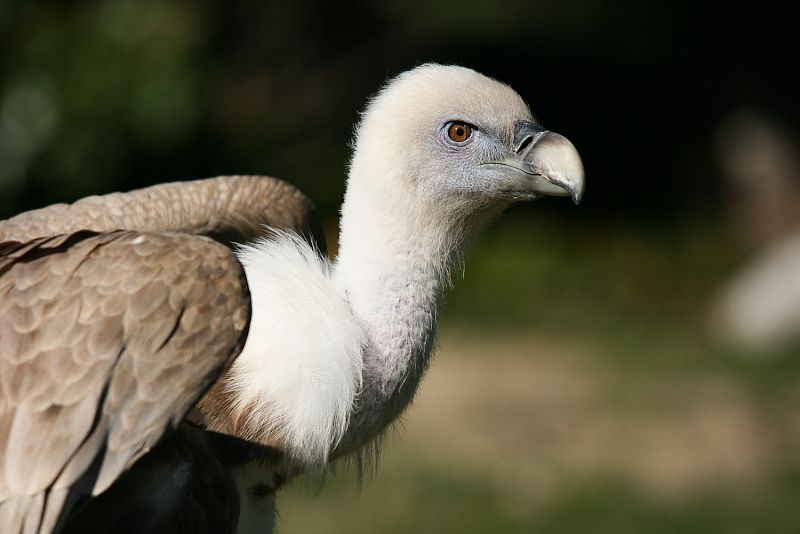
<point>612,406</point>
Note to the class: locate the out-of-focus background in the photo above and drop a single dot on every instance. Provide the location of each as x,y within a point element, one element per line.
<point>629,365</point>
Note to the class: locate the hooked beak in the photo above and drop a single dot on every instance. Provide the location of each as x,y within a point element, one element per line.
<point>545,163</point>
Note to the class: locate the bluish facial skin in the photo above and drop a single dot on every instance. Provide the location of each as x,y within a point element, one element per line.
<point>493,162</point>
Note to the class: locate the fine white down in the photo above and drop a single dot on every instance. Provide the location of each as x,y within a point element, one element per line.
<point>300,369</point>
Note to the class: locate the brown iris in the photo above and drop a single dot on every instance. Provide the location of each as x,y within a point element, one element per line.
<point>459,132</point>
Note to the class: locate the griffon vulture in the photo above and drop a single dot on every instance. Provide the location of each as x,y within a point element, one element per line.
<point>152,379</point>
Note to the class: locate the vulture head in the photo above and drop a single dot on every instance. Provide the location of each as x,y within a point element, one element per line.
<point>447,140</point>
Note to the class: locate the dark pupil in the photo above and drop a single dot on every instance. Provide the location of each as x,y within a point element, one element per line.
<point>459,131</point>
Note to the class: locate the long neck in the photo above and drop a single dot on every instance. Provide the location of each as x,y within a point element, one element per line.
<point>392,266</point>
<point>395,256</point>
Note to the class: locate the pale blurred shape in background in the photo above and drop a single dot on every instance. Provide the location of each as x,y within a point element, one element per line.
<point>759,307</point>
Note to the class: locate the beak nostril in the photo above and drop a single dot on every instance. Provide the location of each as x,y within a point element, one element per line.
<point>525,144</point>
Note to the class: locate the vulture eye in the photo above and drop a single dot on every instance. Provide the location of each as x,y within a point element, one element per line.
<point>459,132</point>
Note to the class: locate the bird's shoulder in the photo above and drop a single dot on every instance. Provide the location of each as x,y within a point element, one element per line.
<point>231,209</point>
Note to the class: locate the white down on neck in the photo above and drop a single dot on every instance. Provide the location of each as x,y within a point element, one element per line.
<point>300,369</point>
<point>335,352</point>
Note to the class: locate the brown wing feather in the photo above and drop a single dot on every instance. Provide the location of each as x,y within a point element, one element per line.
<point>105,341</point>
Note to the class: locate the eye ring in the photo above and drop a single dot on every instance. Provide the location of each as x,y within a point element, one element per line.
<point>459,132</point>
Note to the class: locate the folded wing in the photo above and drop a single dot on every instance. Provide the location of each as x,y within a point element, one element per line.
<point>116,316</point>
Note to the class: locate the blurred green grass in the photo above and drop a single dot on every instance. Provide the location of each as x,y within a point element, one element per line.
<point>422,502</point>
<point>576,390</point>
